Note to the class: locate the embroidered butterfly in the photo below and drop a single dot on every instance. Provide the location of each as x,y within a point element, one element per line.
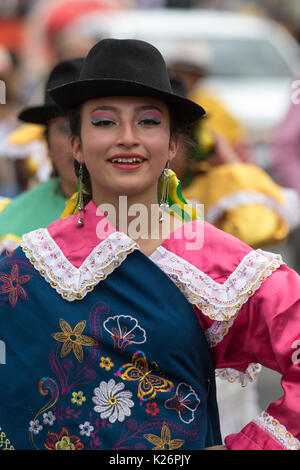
<point>149,384</point>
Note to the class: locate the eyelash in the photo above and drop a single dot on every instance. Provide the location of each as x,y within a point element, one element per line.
<point>150,120</point>
<point>105,122</point>
<point>102,122</point>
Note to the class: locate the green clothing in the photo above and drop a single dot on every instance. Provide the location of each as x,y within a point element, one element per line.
<point>35,208</point>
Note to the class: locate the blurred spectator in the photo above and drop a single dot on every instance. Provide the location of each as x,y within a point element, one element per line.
<point>238,197</point>
<point>285,148</point>
<point>43,204</point>
<point>10,99</point>
<point>58,30</point>
<point>285,167</point>
<point>192,64</point>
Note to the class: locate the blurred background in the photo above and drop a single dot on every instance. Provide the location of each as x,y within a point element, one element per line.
<point>246,53</point>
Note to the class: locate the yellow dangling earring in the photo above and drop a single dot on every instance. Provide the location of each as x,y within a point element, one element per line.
<point>80,197</point>
<point>164,190</point>
<point>170,197</point>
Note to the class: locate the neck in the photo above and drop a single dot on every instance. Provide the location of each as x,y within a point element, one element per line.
<point>67,189</point>
<point>137,216</point>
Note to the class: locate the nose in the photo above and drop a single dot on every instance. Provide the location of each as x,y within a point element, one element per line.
<point>128,136</point>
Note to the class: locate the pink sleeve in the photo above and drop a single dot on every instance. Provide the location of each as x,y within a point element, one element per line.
<point>269,324</point>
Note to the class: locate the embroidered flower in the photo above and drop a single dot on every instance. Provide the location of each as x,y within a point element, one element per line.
<point>185,402</point>
<point>35,427</point>
<point>112,402</point>
<point>106,363</point>
<point>12,285</point>
<point>86,429</point>
<point>73,339</point>
<point>164,442</point>
<point>63,441</point>
<point>152,409</point>
<point>49,418</point>
<point>78,398</point>
<point>124,330</point>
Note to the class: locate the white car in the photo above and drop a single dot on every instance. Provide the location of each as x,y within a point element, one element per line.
<point>255,61</point>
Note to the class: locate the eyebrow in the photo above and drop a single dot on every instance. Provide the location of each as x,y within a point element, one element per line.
<point>138,108</point>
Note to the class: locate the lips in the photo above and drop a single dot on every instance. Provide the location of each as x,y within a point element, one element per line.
<point>127,161</point>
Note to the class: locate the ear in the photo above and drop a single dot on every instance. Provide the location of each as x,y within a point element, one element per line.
<point>77,148</point>
<point>173,146</point>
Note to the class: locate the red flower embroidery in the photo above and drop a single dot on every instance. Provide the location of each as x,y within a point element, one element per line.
<point>152,409</point>
<point>12,284</point>
<point>63,441</point>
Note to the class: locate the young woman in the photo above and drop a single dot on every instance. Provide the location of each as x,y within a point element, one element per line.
<point>115,319</point>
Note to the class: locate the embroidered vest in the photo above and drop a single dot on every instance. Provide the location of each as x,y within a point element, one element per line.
<point>126,367</point>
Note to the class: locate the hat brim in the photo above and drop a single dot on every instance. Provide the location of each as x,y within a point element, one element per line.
<point>38,114</point>
<point>73,94</point>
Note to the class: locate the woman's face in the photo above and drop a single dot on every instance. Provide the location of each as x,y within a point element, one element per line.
<point>125,144</point>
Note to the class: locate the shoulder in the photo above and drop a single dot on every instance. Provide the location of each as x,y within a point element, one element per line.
<point>215,271</point>
<point>208,249</point>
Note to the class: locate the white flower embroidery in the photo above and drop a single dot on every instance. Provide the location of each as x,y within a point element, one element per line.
<point>35,427</point>
<point>49,418</point>
<point>124,330</point>
<point>112,402</point>
<point>185,402</point>
<point>86,429</point>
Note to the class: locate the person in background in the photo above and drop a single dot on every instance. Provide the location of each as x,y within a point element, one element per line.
<point>45,202</point>
<point>285,165</point>
<point>238,197</point>
<point>192,64</point>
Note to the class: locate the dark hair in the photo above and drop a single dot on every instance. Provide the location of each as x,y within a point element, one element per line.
<point>75,126</point>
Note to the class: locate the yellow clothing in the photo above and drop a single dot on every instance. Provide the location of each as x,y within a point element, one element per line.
<point>218,118</point>
<point>4,201</point>
<point>241,199</point>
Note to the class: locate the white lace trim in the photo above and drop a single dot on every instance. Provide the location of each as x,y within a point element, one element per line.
<point>70,282</point>
<point>277,430</point>
<point>220,302</point>
<point>243,378</point>
<point>244,198</point>
<point>216,332</point>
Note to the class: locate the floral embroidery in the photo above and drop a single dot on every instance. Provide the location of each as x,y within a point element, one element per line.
<point>152,409</point>
<point>112,401</point>
<point>63,441</point>
<point>5,443</point>
<point>49,418</point>
<point>185,402</point>
<point>164,442</point>
<point>78,398</point>
<point>106,363</point>
<point>124,330</point>
<point>12,285</point>
<point>73,339</point>
<point>35,427</point>
<point>86,429</point>
<point>149,384</point>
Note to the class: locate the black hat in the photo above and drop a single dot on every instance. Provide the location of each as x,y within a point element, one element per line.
<point>124,67</point>
<point>64,72</point>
